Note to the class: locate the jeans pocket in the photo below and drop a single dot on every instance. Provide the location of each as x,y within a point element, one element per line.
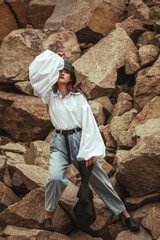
<point>52,142</point>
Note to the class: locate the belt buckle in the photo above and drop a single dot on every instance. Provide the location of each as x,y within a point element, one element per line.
<point>75,130</point>
<point>61,131</point>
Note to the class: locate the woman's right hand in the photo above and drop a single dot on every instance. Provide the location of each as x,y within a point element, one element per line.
<point>62,55</point>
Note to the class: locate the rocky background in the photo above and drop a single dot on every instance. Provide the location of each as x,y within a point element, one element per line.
<point>114,46</point>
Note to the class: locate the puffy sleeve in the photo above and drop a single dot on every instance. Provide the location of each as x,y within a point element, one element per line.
<point>44,72</point>
<point>91,144</point>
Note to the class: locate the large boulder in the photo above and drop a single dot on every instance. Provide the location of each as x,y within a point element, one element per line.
<point>28,44</point>
<point>147,84</point>
<point>38,154</point>
<point>7,197</point>
<point>39,11</point>
<point>7,20</point>
<point>22,233</point>
<point>25,118</point>
<point>150,111</point>
<point>97,69</point>
<point>138,168</point>
<point>138,9</point>
<point>29,213</point>
<point>91,19</point>
<point>142,234</point>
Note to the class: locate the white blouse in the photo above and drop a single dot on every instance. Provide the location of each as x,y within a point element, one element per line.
<point>71,112</point>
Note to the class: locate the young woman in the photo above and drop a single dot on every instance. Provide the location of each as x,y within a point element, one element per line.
<point>53,81</point>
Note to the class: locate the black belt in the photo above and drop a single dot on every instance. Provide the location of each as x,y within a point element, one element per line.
<point>66,133</point>
<point>70,131</point>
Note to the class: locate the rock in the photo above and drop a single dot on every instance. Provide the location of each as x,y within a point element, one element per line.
<point>72,174</point>
<point>39,11</point>
<point>20,120</point>
<point>126,139</point>
<point>32,234</point>
<point>148,54</point>
<point>14,158</point>
<point>98,112</point>
<point>155,40</point>
<point>107,168</point>
<point>155,12</point>
<point>91,20</point>
<point>136,202</point>
<point>32,176</point>
<point>19,9</point>
<point>152,221</point>
<point>2,166</point>
<point>7,197</point>
<point>125,235</point>
<point>38,154</point>
<point>13,147</point>
<point>138,9</point>
<point>133,27</point>
<point>24,87</point>
<point>121,123</point>
<point>77,235</point>
<point>131,62</point>
<point>107,105</point>
<point>123,96</point>
<point>29,213</point>
<point>148,215</point>
<point>108,137</point>
<point>7,21</point>
<point>120,108</point>
<point>145,38</point>
<point>114,229</point>
<point>150,111</point>
<point>98,80</point>
<point>138,168</point>
<point>29,43</point>
<point>50,136</point>
<point>151,127</point>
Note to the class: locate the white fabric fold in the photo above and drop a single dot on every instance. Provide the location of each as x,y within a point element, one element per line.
<point>44,72</point>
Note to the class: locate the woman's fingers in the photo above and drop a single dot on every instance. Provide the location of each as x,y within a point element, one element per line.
<point>89,162</point>
<point>61,54</point>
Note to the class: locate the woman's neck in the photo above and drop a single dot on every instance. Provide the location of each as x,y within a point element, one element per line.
<point>63,90</point>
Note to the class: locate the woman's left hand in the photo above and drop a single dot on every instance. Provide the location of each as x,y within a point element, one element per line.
<point>89,162</point>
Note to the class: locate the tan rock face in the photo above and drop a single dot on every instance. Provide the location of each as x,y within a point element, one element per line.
<point>151,127</point>
<point>136,202</point>
<point>32,176</point>
<point>38,154</point>
<point>7,21</point>
<point>133,27</point>
<point>7,197</point>
<point>20,233</point>
<point>138,168</point>
<point>121,123</point>
<point>125,235</point>
<point>20,9</point>
<point>24,118</point>
<point>106,103</point>
<point>145,38</point>
<point>29,212</point>
<point>148,54</point>
<point>150,111</point>
<point>39,11</point>
<point>98,112</point>
<point>97,73</point>
<point>29,43</point>
<point>89,19</point>
<point>138,9</point>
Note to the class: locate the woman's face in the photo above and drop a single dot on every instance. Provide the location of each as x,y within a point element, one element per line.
<point>64,76</point>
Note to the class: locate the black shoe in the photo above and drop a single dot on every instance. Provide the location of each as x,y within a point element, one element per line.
<point>132,225</point>
<point>47,225</point>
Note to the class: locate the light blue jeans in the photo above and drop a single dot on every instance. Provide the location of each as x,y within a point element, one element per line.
<point>57,182</point>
